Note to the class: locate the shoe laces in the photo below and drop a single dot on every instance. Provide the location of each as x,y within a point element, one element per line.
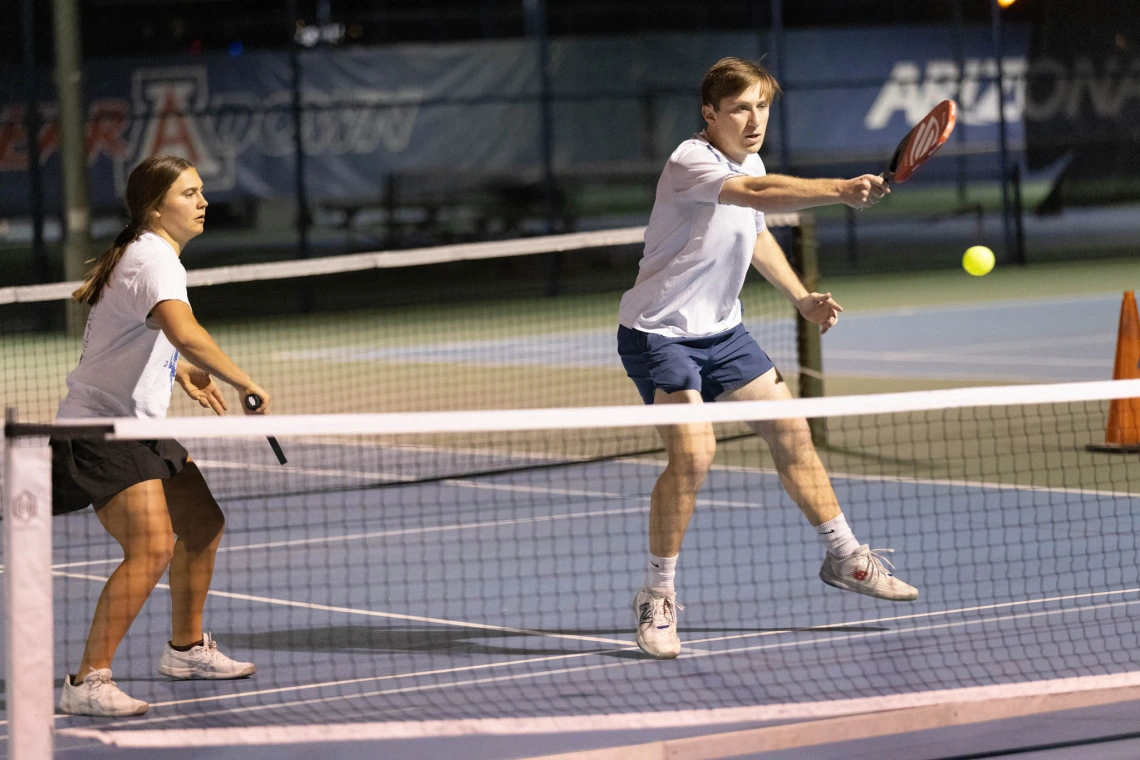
<point>663,610</point>
<point>211,648</point>
<point>100,681</point>
<point>875,557</point>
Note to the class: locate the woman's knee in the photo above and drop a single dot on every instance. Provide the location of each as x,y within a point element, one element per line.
<point>151,553</point>
<point>194,512</point>
<point>205,530</point>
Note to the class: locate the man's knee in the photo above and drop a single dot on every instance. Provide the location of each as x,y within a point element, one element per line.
<point>690,463</point>
<point>787,435</point>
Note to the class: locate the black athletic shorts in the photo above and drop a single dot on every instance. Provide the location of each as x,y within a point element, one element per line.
<point>83,472</point>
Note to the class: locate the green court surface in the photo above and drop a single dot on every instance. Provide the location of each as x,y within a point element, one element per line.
<point>888,291</point>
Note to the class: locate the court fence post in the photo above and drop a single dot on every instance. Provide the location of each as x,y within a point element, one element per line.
<point>806,262</point>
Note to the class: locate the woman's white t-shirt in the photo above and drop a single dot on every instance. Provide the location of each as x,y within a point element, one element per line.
<point>128,365</point>
<point>697,250</point>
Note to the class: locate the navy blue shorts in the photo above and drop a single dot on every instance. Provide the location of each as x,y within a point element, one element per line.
<point>711,365</point>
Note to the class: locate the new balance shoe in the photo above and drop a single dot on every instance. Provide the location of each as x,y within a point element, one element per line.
<point>202,661</point>
<point>864,572</point>
<point>656,611</point>
<point>98,695</point>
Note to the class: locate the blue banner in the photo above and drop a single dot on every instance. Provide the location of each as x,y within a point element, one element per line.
<point>452,112</point>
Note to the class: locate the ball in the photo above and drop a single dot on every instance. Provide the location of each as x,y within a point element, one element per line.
<point>978,260</point>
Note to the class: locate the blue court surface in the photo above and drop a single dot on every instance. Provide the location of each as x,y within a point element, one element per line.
<point>491,617</point>
<point>1024,340</point>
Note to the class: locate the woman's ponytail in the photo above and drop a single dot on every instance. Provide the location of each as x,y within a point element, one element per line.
<point>146,187</point>
<point>103,265</point>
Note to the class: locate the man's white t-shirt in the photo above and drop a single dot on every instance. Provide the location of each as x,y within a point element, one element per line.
<point>127,367</point>
<point>697,250</point>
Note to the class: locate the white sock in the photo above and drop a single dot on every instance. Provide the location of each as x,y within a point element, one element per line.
<point>837,537</point>
<point>660,572</point>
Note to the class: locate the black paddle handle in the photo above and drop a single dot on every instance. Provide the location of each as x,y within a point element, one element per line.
<point>252,401</point>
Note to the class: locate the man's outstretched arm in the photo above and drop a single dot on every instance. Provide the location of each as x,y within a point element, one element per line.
<point>780,193</point>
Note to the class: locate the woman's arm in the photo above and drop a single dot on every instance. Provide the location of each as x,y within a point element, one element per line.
<point>192,341</point>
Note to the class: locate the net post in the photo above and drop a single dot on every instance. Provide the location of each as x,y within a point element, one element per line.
<point>806,262</point>
<point>28,656</point>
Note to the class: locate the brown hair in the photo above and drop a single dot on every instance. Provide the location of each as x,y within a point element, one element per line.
<point>732,76</point>
<point>146,187</point>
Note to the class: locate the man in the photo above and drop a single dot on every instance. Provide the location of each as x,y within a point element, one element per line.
<point>682,341</point>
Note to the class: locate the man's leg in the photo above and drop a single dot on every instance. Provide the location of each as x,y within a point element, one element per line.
<point>848,565</point>
<point>690,450</point>
<point>789,440</point>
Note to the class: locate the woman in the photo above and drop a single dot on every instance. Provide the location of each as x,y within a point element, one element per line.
<point>148,495</point>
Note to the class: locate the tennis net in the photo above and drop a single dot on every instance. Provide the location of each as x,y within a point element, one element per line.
<point>470,326</point>
<point>443,573</point>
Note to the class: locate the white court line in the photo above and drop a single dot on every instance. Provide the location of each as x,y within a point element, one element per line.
<point>906,373</point>
<point>642,462</point>
<point>345,732</point>
<point>396,479</point>
<point>288,469</point>
<point>1076,340</point>
<point>551,658</point>
<point>377,614</point>
<point>602,494</point>
<point>917,629</point>
<point>599,494</point>
<point>387,533</point>
<point>571,492</point>
<point>905,357</point>
<point>385,692</point>
<point>975,306</point>
<point>988,486</point>
<point>918,615</point>
<point>455,526</point>
<point>342,683</point>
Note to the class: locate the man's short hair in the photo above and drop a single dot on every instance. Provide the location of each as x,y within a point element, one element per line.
<point>732,76</point>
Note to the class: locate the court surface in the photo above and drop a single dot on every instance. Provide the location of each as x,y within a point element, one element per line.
<point>438,602</point>
<point>449,629</point>
<point>1022,340</point>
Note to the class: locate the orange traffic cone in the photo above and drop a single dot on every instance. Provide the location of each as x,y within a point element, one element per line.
<point>1122,434</point>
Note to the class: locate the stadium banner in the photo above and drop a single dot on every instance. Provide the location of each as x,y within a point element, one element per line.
<point>473,109</point>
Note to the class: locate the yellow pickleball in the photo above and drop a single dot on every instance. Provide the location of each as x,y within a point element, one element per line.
<point>978,260</point>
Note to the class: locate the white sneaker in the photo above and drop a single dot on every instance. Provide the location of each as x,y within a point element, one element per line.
<point>202,661</point>
<point>864,573</point>
<point>656,611</point>
<point>98,695</point>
